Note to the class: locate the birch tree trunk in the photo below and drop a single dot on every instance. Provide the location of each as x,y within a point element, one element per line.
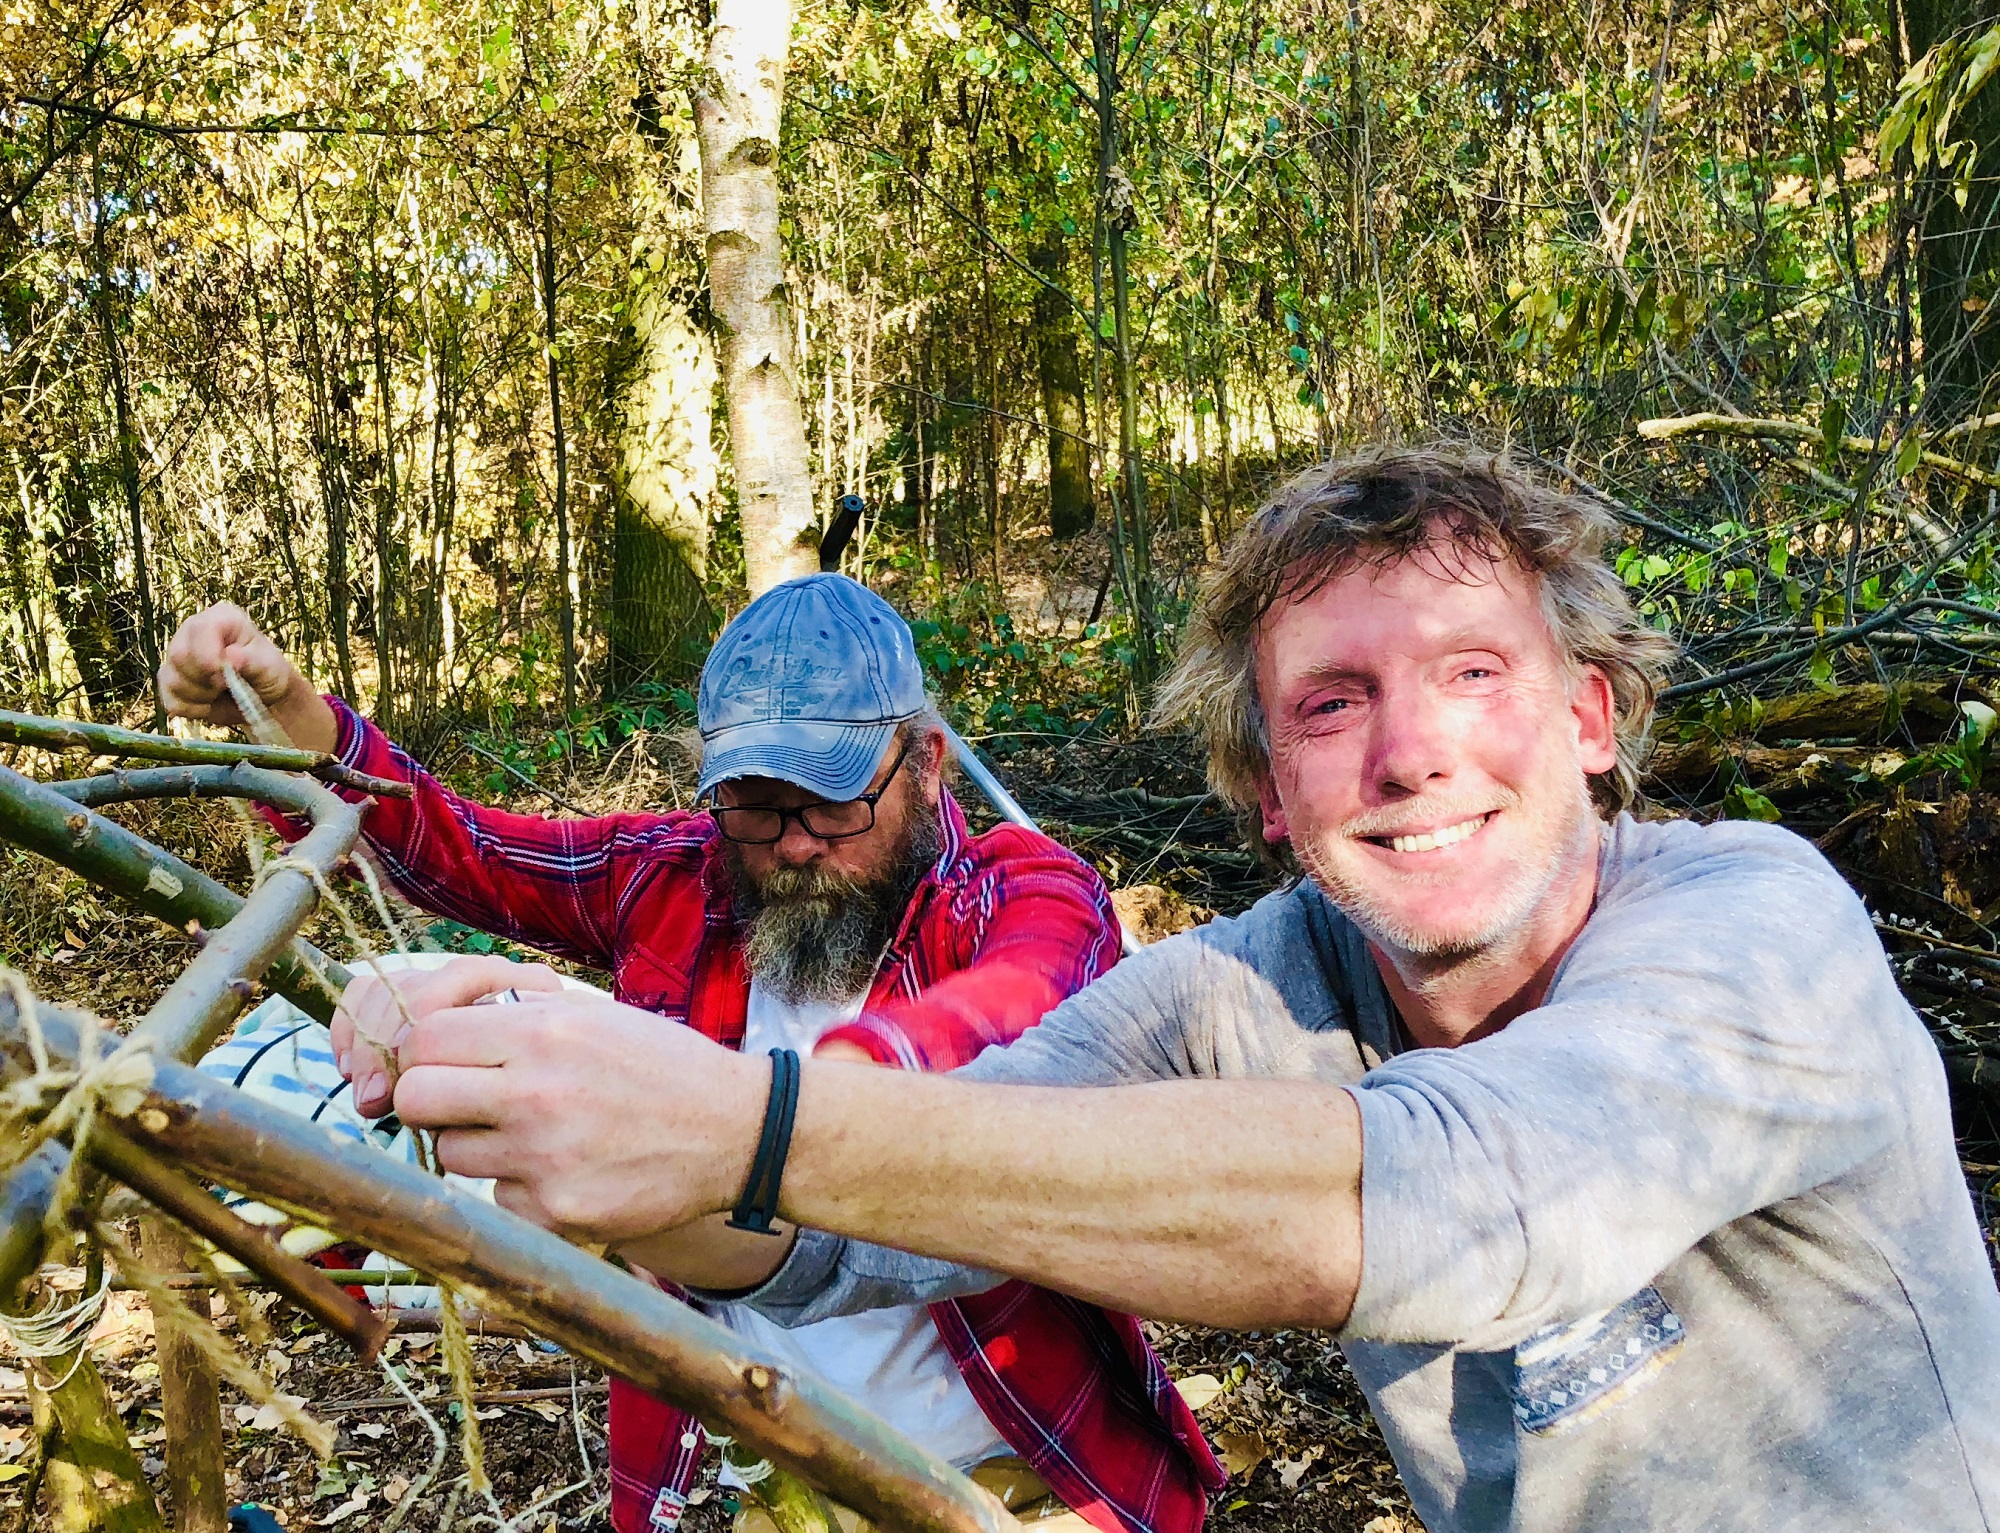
<point>738,101</point>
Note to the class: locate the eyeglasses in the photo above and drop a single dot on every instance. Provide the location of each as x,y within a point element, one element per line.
<point>764,824</point>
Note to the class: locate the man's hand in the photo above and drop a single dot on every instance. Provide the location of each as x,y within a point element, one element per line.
<point>564,1103</point>
<point>377,1010</point>
<point>192,687</point>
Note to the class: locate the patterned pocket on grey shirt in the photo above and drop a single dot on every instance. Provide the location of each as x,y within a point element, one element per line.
<point>1565,1374</point>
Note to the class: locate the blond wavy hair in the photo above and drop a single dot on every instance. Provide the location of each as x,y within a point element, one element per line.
<point>1378,506</point>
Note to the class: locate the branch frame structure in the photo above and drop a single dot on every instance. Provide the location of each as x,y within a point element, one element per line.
<point>190,1125</point>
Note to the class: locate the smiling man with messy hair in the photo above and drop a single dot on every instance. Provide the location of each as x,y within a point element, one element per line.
<point>1608,1147</point>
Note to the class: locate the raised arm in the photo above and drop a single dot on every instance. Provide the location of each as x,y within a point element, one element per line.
<point>553,884</point>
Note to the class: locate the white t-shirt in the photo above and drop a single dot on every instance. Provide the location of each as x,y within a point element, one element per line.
<point>891,1360</point>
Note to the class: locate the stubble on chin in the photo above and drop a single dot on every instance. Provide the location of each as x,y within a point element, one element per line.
<point>1335,863</point>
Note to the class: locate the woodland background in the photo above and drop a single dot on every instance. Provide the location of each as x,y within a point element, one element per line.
<point>404,323</point>
<point>392,322</point>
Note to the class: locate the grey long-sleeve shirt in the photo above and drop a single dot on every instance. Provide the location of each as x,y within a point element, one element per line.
<point>1687,1246</point>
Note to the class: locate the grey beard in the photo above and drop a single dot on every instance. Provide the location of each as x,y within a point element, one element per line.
<point>812,935</point>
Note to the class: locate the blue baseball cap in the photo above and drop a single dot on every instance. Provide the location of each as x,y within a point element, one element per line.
<point>808,685</point>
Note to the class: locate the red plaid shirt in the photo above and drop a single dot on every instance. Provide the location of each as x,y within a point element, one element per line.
<point>1002,929</point>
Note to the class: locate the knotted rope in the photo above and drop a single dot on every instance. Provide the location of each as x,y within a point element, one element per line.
<point>115,1083</point>
<point>56,1329</point>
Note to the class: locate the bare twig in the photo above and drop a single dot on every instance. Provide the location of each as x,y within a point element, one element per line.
<point>189,1205</point>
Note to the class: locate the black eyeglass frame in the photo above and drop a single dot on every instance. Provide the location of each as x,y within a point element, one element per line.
<point>871,798</point>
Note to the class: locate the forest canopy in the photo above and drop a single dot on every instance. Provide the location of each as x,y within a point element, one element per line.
<point>395,322</point>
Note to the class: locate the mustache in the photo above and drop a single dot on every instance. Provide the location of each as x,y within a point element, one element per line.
<point>1428,813</point>
<point>786,887</point>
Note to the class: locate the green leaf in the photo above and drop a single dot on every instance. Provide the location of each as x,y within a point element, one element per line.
<point>1832,427</point>
<point>1985,55</point>
<point>1744,802</point>
<point>1908,452</point>
<point>1820,672</point>
<point>1649,303</point>
<point>1607,330</point>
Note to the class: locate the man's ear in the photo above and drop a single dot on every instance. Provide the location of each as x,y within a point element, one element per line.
<point>934,749</point>
<point>1276,829</point>
<point>1595,708</point>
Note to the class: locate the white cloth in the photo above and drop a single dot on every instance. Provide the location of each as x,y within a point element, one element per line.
<point>892,1360</point>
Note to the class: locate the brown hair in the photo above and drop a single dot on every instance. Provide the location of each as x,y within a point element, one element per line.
<point>1378,506</point>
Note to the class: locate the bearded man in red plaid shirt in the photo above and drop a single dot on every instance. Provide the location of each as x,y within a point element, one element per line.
<point>830,883</point>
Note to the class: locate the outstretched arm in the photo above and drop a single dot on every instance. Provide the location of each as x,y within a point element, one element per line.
<point>1224,1202</point>
<point>1231,1203</point>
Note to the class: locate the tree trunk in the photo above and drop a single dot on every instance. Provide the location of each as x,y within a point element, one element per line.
<point>91,1478</point>
<point>190,1401</point>
<point>96,616</point>
<point>281,500</point>
<point>665,477</point>
<point>738,102</point>
<point>128,457</point>
<point>1071,510</point>
<point>565,594</point>
<point>331,398</point>
<point>1114,189</point>
<point>387,498</point>
<point>1959,253</point>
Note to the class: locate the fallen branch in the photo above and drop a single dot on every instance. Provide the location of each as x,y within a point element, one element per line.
<point>1712,423</point>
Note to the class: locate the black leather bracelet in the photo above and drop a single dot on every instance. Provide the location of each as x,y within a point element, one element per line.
<point>759,1204</point>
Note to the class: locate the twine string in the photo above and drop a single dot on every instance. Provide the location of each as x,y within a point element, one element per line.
<point>56,1329</point>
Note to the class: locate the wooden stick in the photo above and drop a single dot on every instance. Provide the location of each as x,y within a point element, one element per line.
<point>504,1264</point>
<point>297,1279</point>
<point>190,1403</point>
<point>109,740</point>
<point>35,816</point>
<point>1709,423</point>
<point>211,990</point>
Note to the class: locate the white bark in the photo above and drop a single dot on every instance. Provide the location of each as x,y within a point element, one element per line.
<point>737,107</point>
